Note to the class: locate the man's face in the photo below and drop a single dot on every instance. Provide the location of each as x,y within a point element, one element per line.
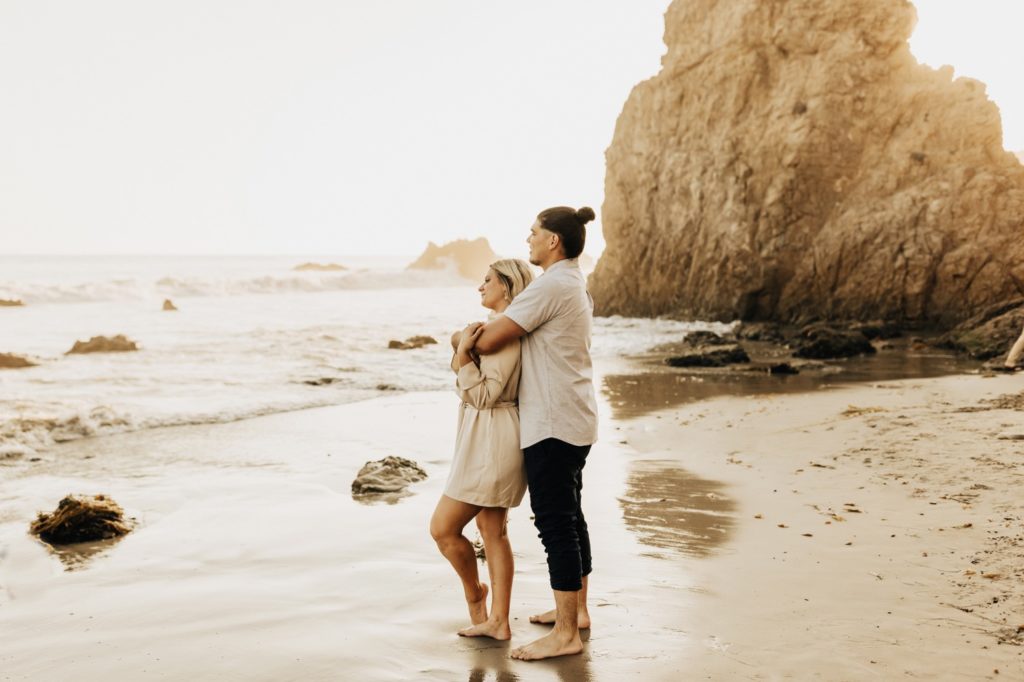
<point>540,242</point>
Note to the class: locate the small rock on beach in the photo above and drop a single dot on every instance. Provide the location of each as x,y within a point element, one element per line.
<point>389,475</point>
<point>81,518</point>
<point>717,355</point>
<point>820,342</point>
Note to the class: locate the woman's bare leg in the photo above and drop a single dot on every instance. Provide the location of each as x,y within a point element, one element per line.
<point>450,517</point>
<point>492,522</point>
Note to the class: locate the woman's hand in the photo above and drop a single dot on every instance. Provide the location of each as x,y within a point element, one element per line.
<point>469,336</point>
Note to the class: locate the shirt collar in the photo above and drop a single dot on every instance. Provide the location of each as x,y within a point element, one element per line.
<point>564,263</point>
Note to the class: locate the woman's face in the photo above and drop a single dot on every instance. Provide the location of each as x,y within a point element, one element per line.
<point>492,292</point>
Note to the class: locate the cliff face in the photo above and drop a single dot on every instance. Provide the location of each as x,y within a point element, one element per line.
<point>793,161</point>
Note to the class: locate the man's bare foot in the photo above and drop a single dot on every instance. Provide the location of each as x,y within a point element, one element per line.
<point>551,645</point>
<point>492,628</point>
<point>478,608</point>
<point>548,618</point>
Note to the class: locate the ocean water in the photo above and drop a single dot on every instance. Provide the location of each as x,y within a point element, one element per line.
<point>252,336</point>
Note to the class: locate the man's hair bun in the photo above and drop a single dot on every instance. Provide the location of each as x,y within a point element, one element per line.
<point>585,214</point>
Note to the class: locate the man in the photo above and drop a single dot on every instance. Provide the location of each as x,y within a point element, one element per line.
<point>558,414</point>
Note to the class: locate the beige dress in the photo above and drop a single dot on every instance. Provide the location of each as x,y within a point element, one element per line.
<point>488,469</point>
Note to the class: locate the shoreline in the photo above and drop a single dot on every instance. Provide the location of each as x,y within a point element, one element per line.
<point>253,560</point>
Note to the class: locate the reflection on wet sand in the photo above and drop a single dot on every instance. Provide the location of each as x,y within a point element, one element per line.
<point>657,387</point>
<point>77,556</point>
<point>671,509</point>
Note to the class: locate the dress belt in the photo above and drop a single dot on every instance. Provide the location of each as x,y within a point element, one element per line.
<point>504,403</point>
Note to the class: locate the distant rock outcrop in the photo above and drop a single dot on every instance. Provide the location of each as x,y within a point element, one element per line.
<point>9,361</point>
<point>319,267</point>
<point>104,344</point>
<point>411,342</point>
<point>10,303</point>
<point>169,305</point>
<point>469,258</point>
<point>792,162</point>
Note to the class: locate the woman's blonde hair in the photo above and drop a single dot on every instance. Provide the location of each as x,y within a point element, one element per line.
<point>515,274</point>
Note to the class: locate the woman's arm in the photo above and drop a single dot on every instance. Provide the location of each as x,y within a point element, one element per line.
<point>465,350</point>
<point>482,386</point>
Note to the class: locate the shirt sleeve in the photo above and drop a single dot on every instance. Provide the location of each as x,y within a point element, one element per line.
<point>538,303</point>
<point>482,386</point>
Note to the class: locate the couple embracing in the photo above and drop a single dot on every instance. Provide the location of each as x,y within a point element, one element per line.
<point>527,420</point>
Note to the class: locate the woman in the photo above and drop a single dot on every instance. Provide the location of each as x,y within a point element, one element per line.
<point>488,476</point>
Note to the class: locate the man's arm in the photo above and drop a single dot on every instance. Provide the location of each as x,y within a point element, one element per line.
<point>497,334</point>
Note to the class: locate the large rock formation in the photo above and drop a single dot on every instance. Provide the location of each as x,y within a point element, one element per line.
<point>792,161</point>
<point>469,258</point>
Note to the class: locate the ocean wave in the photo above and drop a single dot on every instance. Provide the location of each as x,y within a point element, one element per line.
<point>35,431</point>
<point>170,286</point>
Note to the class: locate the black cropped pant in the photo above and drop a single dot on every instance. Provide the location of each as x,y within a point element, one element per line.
<point>554,473</point>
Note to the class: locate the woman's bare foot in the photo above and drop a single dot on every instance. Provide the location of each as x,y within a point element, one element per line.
<point>548,618</point>
<point>492,628</point>
<point>478,607</point>
<point>551,645</point>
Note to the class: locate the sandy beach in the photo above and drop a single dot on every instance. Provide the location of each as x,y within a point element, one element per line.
<point>783,239</point>
<point>865,531</point>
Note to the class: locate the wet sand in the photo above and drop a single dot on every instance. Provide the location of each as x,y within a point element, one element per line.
<point>879,530</point>
<point>720,527</point>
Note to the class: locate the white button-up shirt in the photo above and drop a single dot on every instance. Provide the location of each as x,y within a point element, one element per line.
<point>556,391</point>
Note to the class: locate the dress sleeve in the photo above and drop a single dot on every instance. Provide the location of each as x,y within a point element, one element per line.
<point>482,386</point>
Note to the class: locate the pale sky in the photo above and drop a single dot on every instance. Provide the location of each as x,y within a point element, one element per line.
<point>333,127</point>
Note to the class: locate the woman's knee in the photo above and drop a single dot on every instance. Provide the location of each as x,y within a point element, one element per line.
<point>492,525</point>
<point>442,531</point>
